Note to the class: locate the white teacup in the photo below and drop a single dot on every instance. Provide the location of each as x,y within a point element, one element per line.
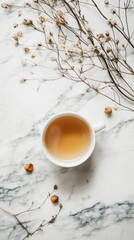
<point>82,158</point>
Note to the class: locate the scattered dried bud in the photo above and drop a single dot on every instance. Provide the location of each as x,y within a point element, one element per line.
<point>54,198</point>
<point>108,110</point>
<point>27,22</point>
<point>55,187</point>
<point>28,167</point>
<point>5,5</point>
<point>35,1</point>
<point>26,50</point>
<point>15,25</point>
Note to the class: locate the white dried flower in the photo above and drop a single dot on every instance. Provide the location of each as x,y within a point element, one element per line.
<point>5,5</point>
<point>111,22</point>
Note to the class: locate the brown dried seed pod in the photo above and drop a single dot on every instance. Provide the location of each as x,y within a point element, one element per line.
<point>54,198</point>
<point>108,110</point>
<point>28,167</point>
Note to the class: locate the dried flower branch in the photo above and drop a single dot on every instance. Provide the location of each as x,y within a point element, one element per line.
<point>77,50</point>
<point>23,224</point>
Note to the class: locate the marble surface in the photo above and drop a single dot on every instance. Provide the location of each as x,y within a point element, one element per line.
<point>98,196</point>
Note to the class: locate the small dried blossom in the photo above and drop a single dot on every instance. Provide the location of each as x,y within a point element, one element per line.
<point>5,5</point>
<point>26,49</point>
<point>109,49</point>
<point>28,4</point>
<point>41,19</point>
<point>111,22</point>
<point>23,80</point>
<point>117,41</point>
<point>15,37</point>
<point>33,55</point>
<point>113,10</point>
<point>27,22</point>
<point>107,34</point>
<point>106,2</point>
<point>100,35</point>
<point>15,25</point>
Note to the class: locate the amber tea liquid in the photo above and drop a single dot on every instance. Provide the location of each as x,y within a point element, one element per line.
<point>67,137</point>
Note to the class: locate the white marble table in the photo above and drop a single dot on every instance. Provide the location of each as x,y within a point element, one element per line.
<point>98,196</point>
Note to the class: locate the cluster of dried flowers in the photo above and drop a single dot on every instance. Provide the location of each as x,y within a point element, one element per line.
<point>78,51</point>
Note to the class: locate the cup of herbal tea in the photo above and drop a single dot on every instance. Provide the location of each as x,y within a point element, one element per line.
<point>68,139</point>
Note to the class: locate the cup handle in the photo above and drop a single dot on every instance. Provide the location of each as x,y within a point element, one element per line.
<point>100,126</point>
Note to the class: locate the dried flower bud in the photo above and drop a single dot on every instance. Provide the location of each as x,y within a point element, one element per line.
<point>28,167</point>
<point>54,198</point>
<point>35,1</point>
<point>26,50</point>
<point>106,2</point>
<point>113,10</point>
<point>27,22</point>
<point>33,55</point>
<point>109,49</point>
<point>15,37</point>
<point>28,4</point>
<point>117,41</point>
<point>108,110</point>
<point>60,205</point>
<point>23,80</point>
<point>41,19</point>
<point>111,22</point>
<point>100,35</point>
<point>15,25</point>
<point>5,5</point>
<point>107,34</point>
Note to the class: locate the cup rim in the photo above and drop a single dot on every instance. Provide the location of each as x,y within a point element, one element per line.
<point>78,160</point>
